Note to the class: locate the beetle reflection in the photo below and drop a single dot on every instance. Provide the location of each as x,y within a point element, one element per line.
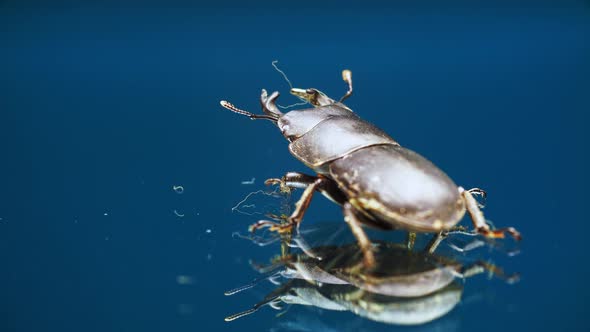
<point>403,287</point>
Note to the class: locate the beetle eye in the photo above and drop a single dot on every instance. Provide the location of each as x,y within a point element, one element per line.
<point>310,91</point>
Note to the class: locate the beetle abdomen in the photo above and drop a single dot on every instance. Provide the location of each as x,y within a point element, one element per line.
<point>399,186</point>
<point>335,138</point>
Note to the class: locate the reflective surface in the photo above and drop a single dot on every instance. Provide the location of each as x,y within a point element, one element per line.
<point>410,283</point>
<point>107,107</point>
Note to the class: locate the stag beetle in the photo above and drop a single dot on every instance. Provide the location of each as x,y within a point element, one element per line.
<point>378,182</point>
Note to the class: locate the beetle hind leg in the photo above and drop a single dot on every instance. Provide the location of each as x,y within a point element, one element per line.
<point>479,221</point>
<point>354,221</point>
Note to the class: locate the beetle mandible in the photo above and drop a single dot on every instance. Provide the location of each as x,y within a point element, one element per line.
<point>377,182</point>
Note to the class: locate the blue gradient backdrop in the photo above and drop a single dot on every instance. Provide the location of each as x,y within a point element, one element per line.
<point>105,107</point>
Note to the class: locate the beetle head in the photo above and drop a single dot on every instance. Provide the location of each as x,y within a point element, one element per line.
<point>313,96</point>
<point>293,124</point>
<point>297,123</point>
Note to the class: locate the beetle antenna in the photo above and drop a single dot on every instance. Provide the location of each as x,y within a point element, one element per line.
<point>251,310</point>
<point>347,77</point>
<point>252,116</point>
<point>251,284</point>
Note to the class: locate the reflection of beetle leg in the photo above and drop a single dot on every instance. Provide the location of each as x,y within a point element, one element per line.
<point>303,203</point>
<point>410,240</point>
<point>435,241</point>
<point>467,247</point>
<point>481,266</point>
<point>479,221</point>
<point>353,220</point>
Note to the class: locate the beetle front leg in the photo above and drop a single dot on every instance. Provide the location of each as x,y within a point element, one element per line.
<point>440,236</point>
<point>297,215</point>
<point>327,187</point>
<point>352,218</point>
<point>479,221</point>
<point>292,180</point>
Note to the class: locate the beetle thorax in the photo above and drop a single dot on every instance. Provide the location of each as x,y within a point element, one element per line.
<point>295,124</point>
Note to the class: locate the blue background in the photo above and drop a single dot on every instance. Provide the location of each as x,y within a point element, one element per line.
<point>105,107</point>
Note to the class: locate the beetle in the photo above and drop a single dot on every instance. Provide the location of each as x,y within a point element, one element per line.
<point>378,182</point>
<point>404,287</point>
<point>377,307</point>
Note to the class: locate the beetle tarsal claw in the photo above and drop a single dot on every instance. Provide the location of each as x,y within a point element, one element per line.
<point>272,181</point>
<point>281,182</point>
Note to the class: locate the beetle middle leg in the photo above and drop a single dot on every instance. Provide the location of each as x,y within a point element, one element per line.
<point>354,220</point>
<point>479,221</point>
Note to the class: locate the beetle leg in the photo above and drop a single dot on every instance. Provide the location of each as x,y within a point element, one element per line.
<point>468,247</point>
<point>297,215</point>
<point>479,221</point>
<point>479,192</point>
<point>481,266</point>
<point>440,236</point>
<point>327,187</point>
<point>435,241</point>
<point>352,218</point>
<point>292,180</point>
<point>271,225</point>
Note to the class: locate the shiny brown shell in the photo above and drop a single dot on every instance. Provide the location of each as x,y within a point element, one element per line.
<point>335,138</point>
<point>399,187</point>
